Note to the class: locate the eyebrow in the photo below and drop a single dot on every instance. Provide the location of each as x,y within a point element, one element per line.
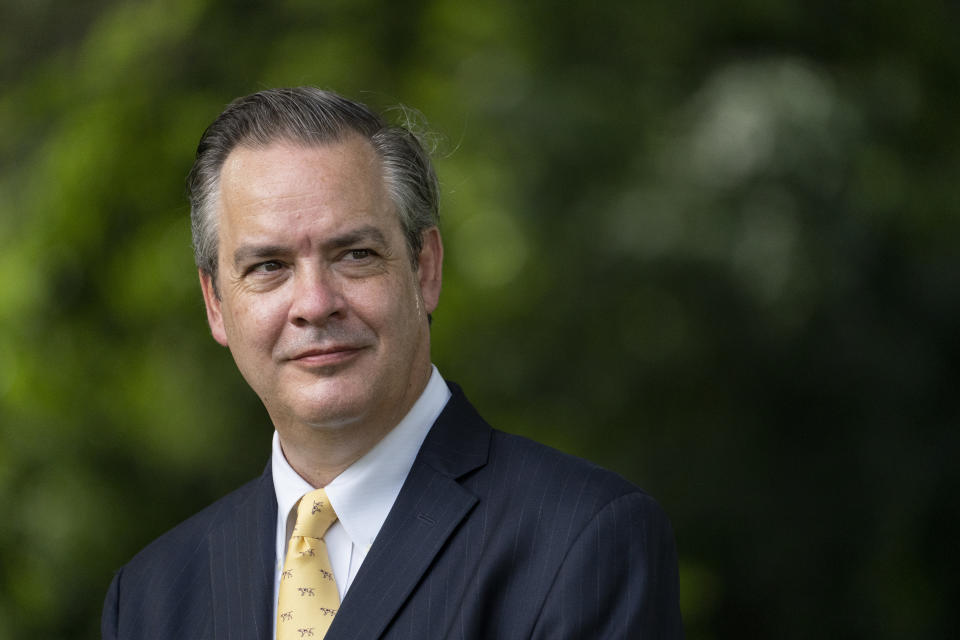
<point>246,253</point>
<point>366,233</point>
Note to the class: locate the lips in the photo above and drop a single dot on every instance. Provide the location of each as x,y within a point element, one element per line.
<point>325,356</point>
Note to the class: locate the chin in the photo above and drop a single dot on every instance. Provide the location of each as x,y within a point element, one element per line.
<point>337,404</point>
<point>335,413</point>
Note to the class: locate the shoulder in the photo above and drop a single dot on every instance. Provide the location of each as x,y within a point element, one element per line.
<point>589,530</point>
<point>179,546</point>
<point>514,473</point>
<point>546,464</point>
<point>166,589</point>
<point>557,496</point>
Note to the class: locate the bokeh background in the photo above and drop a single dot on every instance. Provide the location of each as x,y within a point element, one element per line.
<point>711,245</point>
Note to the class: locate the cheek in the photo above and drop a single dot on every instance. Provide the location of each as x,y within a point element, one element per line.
<point>391,308</point>
<point>405,322</point>
<point>254,324</point>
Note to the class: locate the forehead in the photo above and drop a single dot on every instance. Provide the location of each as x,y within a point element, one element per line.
<point>291,174</point>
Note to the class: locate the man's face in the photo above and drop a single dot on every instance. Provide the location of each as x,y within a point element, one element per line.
<point>319,304</point>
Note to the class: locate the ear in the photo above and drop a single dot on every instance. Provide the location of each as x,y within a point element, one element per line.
<point>430,268</point>
<point>214,312</point>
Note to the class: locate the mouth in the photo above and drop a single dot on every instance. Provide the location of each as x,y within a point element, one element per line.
<point>326,356</point>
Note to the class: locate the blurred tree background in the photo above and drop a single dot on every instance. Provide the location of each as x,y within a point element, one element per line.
<point>710,245</point>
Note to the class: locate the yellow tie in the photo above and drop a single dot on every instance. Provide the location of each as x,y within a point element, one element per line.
<point>308,597</point>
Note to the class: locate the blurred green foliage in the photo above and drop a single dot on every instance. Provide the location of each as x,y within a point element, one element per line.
<point>712,246</point>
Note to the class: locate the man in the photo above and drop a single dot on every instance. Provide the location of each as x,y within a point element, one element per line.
<point>315,232</point>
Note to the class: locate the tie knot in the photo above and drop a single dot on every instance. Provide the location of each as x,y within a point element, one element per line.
<point>315,514</point>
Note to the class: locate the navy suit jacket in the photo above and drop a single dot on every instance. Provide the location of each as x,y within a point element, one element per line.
<point>491,536</point>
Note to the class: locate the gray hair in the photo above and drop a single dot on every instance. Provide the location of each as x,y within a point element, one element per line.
<point>309,116</point>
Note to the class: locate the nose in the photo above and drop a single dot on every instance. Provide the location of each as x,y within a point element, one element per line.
<point>317,297</point>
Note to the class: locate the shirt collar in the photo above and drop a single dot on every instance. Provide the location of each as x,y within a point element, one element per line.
<point>363,494</point>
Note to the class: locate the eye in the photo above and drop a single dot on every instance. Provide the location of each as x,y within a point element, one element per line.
<point>266,267</point>
<point>359,254</point>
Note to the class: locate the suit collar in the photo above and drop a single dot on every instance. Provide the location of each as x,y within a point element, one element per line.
<point>429,508</point>
<point>459,441</point>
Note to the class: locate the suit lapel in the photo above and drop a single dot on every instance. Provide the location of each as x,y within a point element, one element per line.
<point>242,550</point>
<point>427,511</point>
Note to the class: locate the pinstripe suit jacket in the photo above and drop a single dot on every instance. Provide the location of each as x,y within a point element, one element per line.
<point>492,536</point>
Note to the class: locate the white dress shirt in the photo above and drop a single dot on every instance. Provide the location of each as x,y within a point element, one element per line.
<point>362,495</point>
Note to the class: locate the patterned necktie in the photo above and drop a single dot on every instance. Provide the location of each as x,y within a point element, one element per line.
<point>308,597</point>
